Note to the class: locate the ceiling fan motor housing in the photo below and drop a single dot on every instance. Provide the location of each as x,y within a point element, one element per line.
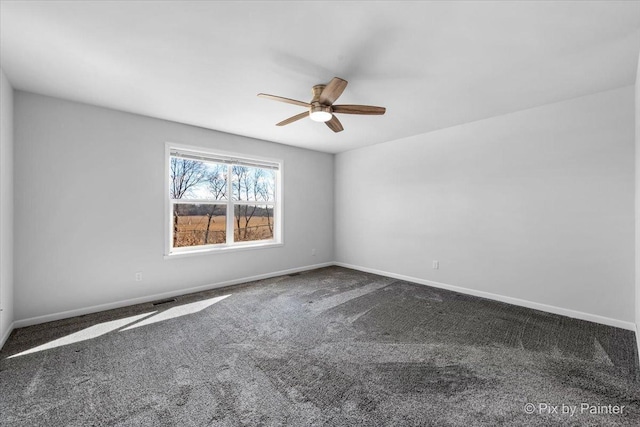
<point>316,91</point>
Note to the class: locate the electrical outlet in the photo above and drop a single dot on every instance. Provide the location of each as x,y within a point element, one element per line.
<point>139,276</point>
<point>313,252</point>
<point>436,264</point>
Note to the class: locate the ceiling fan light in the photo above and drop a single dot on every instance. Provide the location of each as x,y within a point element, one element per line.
<point>320,113</point>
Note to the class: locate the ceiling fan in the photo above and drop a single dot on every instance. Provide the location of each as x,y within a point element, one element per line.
<point>321,107</point>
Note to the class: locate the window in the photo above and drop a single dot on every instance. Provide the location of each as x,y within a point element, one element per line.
<point>218,201</point>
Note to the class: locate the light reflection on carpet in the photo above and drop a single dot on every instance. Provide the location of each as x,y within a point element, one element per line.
<point>178,311</point>
<point>106,327</point>
<point>85,334</point>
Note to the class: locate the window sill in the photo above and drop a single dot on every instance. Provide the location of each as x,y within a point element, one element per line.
<point>222,249</point>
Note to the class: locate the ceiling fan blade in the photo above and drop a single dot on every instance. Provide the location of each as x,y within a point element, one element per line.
<point>293,119</point>
<point>282,99</point>
<point>334,124</point>
<point>332,91</point>
<point>358,109</point>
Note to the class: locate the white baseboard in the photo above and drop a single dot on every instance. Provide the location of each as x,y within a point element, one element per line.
<point>496,297</point>
<point>5,337</point>
<point>638,340</point>
<point>109,306</point>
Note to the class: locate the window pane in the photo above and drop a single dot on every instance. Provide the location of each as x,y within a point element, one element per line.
<point>253,184</point>
<point>198,224</point>
<point>253,222</point>
<point>194,179</point>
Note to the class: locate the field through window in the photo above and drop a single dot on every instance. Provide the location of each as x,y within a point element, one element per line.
<point>203,193</point>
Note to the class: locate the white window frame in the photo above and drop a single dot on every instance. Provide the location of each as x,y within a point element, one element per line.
<point>230,245</point>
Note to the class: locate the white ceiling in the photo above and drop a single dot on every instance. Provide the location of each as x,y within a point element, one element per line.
<point>431,64</point>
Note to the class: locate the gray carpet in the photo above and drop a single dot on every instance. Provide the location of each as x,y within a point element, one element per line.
<point>332,347</point>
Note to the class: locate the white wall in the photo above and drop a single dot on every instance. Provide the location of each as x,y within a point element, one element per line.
<point>89,208</point>
<point>535,205</point>
<point>6,207</point>
<point>637,115</point>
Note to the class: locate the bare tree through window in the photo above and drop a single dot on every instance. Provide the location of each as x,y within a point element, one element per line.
<point>185,176</point>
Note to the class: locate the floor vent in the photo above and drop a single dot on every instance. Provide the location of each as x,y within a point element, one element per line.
<point>164,301</point>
